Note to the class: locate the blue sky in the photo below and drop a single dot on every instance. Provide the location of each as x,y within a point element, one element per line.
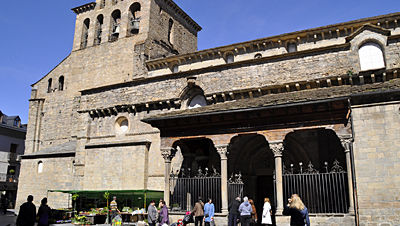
<point>37,35</point>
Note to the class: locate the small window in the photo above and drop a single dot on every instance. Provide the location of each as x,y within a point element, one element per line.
<point>292,47</point>
<point>170,30</point>
<point>61,83</point>
<point>257,56</point>
<point>371,56</point>
<point>99,29</point>
<point>175,68</point>
<point>49,85</point>
<point>13,148</point>
<point>85,33</point>
<point>73,166</point>
<point>17,122</point>
<point>197,101</point>
<point>40,167</point>
<point>230,58</point>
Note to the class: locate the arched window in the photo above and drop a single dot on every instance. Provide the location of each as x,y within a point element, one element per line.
<point>230,58</point>
<point>170,25</point>
<point>134,19</point>
<point>257,56</point>
<point>73,166</point>
<point>40,167</point>
<point>115,25</point>
<point>371,56</point>
<point>197,101</point>
<point>99,29</point>
<point>49,85</point>
<point>292,47</point>
<point>61,83</point>
<point>85,33</point>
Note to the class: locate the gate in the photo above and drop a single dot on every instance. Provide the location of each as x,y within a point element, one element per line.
<point>185,190</point>
<point>321,192</point>
<point>235,187</point>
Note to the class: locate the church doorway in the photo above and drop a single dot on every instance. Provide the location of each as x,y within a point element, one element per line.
<point>250,156</point>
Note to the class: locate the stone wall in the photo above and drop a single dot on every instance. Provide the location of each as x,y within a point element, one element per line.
<point>376,154</point>
<point>57,174</point>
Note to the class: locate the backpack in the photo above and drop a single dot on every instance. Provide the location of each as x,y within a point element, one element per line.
<point>44,219</point>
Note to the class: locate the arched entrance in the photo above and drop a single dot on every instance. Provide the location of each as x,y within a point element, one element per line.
<point>314,166</point>
<point>250,155</point>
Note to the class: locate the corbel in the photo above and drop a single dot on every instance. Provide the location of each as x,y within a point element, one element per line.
<point>387,23</point>
<point>323,34</point>
<point>338,32</point>
<point>395,74</point>
<point>169,103</point>
<point>241,95</point>
<point>244,48</point>
<point>251,94</point>
<point>318,84</point>
<point>288,88</point>
<point>345,30</point>
<point>298,39</point>
<point>330,33</point>
<point>232,95</point>
<point>223,96</point>
<point>384,76</point>
<point>339,81</point>
<point>329,82</point>
<point>297,86</point>
<point>373,78</point>
<point>236,50</point>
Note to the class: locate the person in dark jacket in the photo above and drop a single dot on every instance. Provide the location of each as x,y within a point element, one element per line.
<point>198,212</point>
<point>164,214</point>
<point>44,213</point>
<point>233,209</point>
<point>245,212</point>
<point>297,210</point>
<point>27,213</point>
<point>152,213</point>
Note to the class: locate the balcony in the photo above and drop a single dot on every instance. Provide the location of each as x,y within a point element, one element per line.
<point>14,157</point>
<point>8,178</point>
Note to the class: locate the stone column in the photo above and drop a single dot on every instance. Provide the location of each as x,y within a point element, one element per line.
<point>168,154</point>
<point>277,149</point>
<point>223,151</point>
<point>346,143</point>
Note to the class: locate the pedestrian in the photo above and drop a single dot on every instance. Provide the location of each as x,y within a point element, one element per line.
<point>198,212</point>
<point>164,214</point>
<point>5,204</point>
<point>152,213</point>
<point>209,211</point>
<point>254,218</point>
<point>44,213</point>
<point>245,212</point>
<point>160,203</point>
<point>233,209</point>
<point>297,211</point>
<point>27,213</point>
<point>267,212</point>
<point>114,208</point>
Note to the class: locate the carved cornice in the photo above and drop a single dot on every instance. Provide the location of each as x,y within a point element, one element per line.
<point>346,142</point>
<point>277,148</point>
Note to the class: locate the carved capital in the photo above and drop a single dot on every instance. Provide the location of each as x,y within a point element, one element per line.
<point>222,151</point>
<point>277,148</point>
<point>346,142</point>
<point>168,154</point>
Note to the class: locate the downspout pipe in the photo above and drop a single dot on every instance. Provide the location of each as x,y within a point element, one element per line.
<point>357,221</point>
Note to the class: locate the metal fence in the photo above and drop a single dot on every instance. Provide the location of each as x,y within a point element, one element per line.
<point>235,187</point>
<point>320,192</point>
<point>185,192</point>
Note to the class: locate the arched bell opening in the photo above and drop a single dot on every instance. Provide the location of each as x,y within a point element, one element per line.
<point>251,157</point>
<point>314,166</point>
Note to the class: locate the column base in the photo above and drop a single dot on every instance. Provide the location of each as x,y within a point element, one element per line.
<point>225,211</point>
<point>351,210</point>
<point>279,211</point>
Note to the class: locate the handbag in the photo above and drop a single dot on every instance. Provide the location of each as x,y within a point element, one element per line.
<point>253,220</point>
<point>206,215</point>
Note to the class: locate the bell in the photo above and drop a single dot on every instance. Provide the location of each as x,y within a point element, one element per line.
<point>135,24</point>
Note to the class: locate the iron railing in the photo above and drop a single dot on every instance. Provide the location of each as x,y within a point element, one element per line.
<point>321,192</point>
<point>235,187</point>
<point>186,190</point>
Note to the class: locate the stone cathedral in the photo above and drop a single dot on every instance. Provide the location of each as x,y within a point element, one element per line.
<point>135,106</point>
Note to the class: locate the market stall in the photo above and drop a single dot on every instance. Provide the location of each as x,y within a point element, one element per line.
<point>92,205</point>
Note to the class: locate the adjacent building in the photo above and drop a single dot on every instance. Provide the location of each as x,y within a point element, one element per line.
<point>12,146</point>
<point>135,106</point>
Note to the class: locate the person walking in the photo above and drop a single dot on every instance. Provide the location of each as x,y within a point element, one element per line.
<point>44,213</point>
<point>253,219</point>
<point>245,212</point>
<point>164,214</point>
<point>267,212</point>
<point>114,208</point>
<point>152,213</point>
<point>5,203</point>
<point>209,212</point>
<point>297,211</point>
<point>233,209</point>
<point>27,213</point>
<point>198,212</point>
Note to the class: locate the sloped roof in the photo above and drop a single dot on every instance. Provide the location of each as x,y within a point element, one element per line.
<point>61,149</point>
